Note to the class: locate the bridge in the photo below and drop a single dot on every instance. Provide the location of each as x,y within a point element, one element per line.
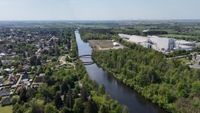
<point>86,62</point>
<point>85,56</point>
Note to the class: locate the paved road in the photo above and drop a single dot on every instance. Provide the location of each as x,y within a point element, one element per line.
<point>177,57</point>
<point>20,78</point>
<point>196,66</point>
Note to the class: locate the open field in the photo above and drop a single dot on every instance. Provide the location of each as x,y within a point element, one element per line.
<point>6,109</point>
<point>185,37</point>
<point>104,45</point>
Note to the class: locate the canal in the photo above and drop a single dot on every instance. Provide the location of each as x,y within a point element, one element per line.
<point>118,91</point>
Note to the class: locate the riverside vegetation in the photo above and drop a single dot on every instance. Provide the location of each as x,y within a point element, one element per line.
<point>167,83</point>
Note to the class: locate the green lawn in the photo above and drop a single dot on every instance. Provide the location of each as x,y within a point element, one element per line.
<point>184,37</point>
<point>6,109</point>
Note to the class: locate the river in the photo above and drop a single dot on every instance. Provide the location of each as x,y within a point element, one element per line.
<point>117,91</point>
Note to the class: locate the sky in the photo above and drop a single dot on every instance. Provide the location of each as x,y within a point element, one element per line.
<point>99,9</point>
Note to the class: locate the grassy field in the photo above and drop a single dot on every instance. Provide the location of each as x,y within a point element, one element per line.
<point>185,37</point>
<point>102,43</point>
<point>6,109</point>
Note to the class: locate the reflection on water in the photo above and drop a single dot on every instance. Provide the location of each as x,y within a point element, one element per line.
<point>118,91</point>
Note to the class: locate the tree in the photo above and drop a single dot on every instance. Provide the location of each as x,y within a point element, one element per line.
<point>78,106</point>
<point>46,92</point>
<point>69,99</point>
<point>35,107</point>
<point>90,107</point>
<point>195,89</point>
<point>101,89</point>
<point>22,95</point>
<point>84,94</point>
<point>125,110</point>
<point>17,108</point>
<point>30,93</point>
<point>49,108</point>
<point>34,60</point>
<point>58,100</point>
<point>64,87</point>
<point>1,63</point>
<point>103,109</point>
<point>66,110</point>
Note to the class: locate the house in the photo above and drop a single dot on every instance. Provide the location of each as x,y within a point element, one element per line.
<point>1,79</point>
<point>39,79</point>
<point>6,101</point>
<point>12,79</point>
<point>2,54</point>
<point>8,70</point>
<point>115,44</point>
<point>26,68</point>
<point>4,92</point>
<point>25,76</point>
<point>6,62</point>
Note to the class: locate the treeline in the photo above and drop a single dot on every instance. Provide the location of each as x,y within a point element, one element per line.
<point>168,83</point>
<point>155,32</point>
<point>96,34</point>
<point>65,91</point>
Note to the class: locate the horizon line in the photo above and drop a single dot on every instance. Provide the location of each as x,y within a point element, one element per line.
<point>18,20</point>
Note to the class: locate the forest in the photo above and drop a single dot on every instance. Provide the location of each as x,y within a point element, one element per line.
<point>168,83</point>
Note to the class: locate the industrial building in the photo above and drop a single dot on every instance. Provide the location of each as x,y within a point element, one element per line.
<point>185,45</point>
<point>162,44</point>
<point>159,44</point>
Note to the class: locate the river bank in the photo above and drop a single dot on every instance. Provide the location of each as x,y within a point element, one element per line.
<point>110,73</point>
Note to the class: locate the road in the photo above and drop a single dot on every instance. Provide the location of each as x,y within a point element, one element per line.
<point>20,78</point>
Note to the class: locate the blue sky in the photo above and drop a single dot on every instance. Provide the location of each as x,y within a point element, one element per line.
<point>98,9</point>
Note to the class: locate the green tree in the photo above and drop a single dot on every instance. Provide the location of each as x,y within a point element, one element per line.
<point>195,89</point>
<point>58,100</point>
<point>35,107</point>
<point>78,106</point>
<point>49,108</point>
<point>90,107</point>
<point>101,89</point>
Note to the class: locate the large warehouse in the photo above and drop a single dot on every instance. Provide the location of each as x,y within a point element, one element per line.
<point>162,44</point>
<point>158,43</point>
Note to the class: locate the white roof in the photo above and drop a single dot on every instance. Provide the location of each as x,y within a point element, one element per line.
<point>161,43</point>
<point>138,39</point>
<point>124,36</point>
<point>184,42</point>
<point>115,43</point>
<point>1,77</point>
<point>185,47</point>
<point>7,69</point>
<point>2,54</point>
